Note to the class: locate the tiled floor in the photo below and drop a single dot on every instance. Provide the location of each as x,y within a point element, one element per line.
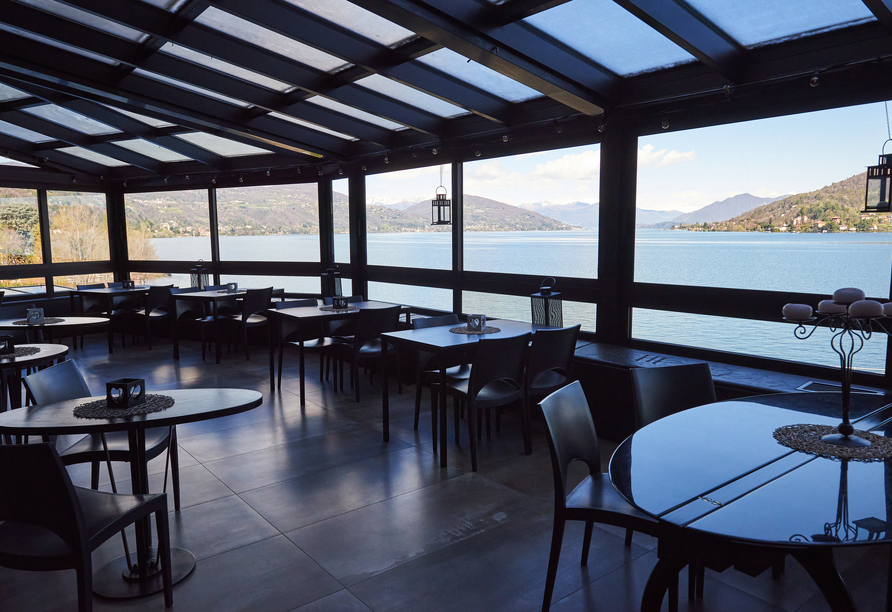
<point>306,509</point>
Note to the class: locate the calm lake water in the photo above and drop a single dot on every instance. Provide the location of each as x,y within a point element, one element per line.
<point>810,263</point>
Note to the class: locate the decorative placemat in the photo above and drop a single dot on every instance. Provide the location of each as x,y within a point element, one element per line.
<point>807,439</point>
<point>99,409</point>
<point>46,321</point>
<point>333,309</point>
<point>463,329</point>
<point>26,351</point>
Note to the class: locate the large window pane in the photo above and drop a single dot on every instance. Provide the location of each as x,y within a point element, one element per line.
<point>410,295</point>
<point>398,216</point>
<point>764,205</point>
<point>272,223</point>
<point>72,282</point>
<point>78,226</point>
<point>534,214</point>
<point>341,199</point>
<point>518,308</point>
<point>19,227</point>
<point>291,284</point>
<point>168,225</point>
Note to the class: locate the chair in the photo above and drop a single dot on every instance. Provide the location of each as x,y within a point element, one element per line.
<point>292,333</point>
<point>64,381</point>
<point>254,303</point>
<point>157,308</point>
<point>185,313</point>
<point>429,364</point>
<point>572,437</point>
<point>495,378</point>
<point>49,524</point>
<point>659,392</point>
<point>365,344</point>
<point>225,307</point>
<point>346,327</point>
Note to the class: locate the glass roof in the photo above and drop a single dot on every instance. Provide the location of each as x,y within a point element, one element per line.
<point>355,18</point>
<point>23,134</point>
<point>238,72</point>
<point>58,45</point>
<point>611,36</point>
<point>453,64</point>
<point>70,119</point>
<point>759,21</point>
<point>92,156</point>
<point>11,93</point>
<point>190,87</point>
<point>5,161</point>
<point>312,126</point>
<point>150,149</point>
<point>168,5</point>
<point>87,19</point>
<point>272,41</point>
<point>157,123</point>
<point>355,112</point>
<point>410,95</point>
<point>221,146</point>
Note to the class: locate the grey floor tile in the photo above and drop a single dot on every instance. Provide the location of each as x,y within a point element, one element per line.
<point>342,601</point>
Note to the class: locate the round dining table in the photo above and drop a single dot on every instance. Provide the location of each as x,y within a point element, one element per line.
<point>726,493</point>
<point>74,325</point>
<point>116,579</point>
<point>11,368</point>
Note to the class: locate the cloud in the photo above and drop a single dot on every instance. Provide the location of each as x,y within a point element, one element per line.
<point>488,171</point>
<point>673,158</point>
<point>585,166</point>
<point>662,158</point>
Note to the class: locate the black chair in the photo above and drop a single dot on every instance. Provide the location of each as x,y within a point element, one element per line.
<point>255,302</point>
<point>572,437</point>
<point>226,307</point>
<point>429,364</point>
<point>90,306</point>
<point>549,366</point>
<point>344,328</point>
<point>157,309</point>
<point>291,333</point>
<point>49,524</point>
<point>64,381</point>
<point>365,345</point>
<point>496,375</point>
<point>187,313</point>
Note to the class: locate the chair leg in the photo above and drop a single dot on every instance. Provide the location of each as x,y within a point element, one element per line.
<point>85,587</point>
<point>94,475</point>
<point>175,467</point>
<point>245,342</point>
<point>418,399</point>
<point>456,410</point>
<point>149,332</point>
<point>629,533</point>
<point>472,419</point>
<point>554,557</point>
<point>354,374</point>
<point>281,355</point>
<point>587,541</point>
<point>162,526</point>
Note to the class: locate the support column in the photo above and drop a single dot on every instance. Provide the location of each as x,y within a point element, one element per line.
<point>117,234</point>
<point>43,224</point>
<point>215,234</point>
<point>326,224</point>
<point>358,234</point>
<point>458,236</point>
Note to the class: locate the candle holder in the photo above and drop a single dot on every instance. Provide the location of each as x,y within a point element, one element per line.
<point>477,322</point>
<point>852,321</point>
<point>125,393</point>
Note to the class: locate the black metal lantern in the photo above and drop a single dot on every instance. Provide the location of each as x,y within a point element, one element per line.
<point>546,305</point>
<point>331,282</point>
<point>198,276</point>
<point>879,185</point>
<point>7,346</point>
<point>441,208</point>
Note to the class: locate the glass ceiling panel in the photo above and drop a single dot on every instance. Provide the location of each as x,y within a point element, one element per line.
<point>759,21</point>
<point>312,126</point>
<point>611,36</point>
<point>167,5</point>
<point>150,149</point>
<point>158,123</point>
<point>87,19</point>
<point>92,156</point>
<point>11,93</point>
<point>70,119</point>
<point>225,67</point>
<point>355,18</point>
<point>5,161</point>
<point>498,84</point>
<point>410,95</point>
<point>272,41</point>
<point>190,87</point>
<point>22,134</point>
<point>221,146</point>
<point>355,112</point>
<point>58,45</point>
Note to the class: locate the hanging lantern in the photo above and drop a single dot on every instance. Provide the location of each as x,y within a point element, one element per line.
<point>441,208</point>
<point>198,276</point>
<point>546,305</point>
<point>879,185</point>
<point>331,282</point>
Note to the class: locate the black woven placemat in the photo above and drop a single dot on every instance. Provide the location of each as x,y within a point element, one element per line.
<point>807,439</point>
<point>333,309</point>
<point>462,329</point>
<point>26,351</point>
<point>46,321</point>
<point>99,409</point>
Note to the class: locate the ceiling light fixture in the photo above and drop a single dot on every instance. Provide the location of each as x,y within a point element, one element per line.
<point>363,168</point>
<point>214,181</point>
<point>241,179</point>
<point>386,159</point>
<point>664,122</point>
<point>319,172</point>
<point>267,171</point>
<point>815,80</point>
<point>558,127</point>
<point>476,152</point>
<point>602,125</point>
<point>506,137</point>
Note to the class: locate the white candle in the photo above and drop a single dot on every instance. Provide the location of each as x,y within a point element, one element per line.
<point>797,312</point>
<point>866,308</point>
<point>830,307</point>
<point>848,295</point>
<point>887,309</point>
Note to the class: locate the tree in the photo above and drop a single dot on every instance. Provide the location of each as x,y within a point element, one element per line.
<point>19,237</point>
<point>79,233</point>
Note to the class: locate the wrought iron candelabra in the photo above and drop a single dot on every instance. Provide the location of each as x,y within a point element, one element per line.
<point>852,321</point>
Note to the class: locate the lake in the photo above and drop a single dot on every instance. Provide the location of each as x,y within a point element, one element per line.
<point>809,263</point>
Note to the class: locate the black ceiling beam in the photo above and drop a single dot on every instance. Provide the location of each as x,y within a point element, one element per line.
<point>692,33</point>
<point>53,159</point>
<point>515,10</point>
<point>27,178</point>
<point>514,50</point>
<point>882,10</point>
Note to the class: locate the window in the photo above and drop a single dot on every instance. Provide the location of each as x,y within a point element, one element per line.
<point>78,226</point>
<point>168,225</point>
<point>19,228</point>
<point>518,308</point>
<point>411,295</point>
<point>291,284</point>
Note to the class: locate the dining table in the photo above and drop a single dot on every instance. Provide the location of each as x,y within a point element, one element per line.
<point>726,493</point>
<point>139,575</point>
<point>29,356</point>
<point>58,325</point>
<point>444,343</point>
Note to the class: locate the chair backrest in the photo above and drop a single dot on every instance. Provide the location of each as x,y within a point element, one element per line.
<point>158,297</point>
<point>116,285</point>
<point>93,286</point>
<point>43,493</point>
<point>498,359</point>
<point>660,392</point>
<point>350,300</point>
<point>296,303</point>
<point>62,381</point>
<point>552,349</point>
<point>214,287</point>
<point>2,293</point>
<point>439,321</point>
<point>256,300</point>
<point>186,310</point>
<point>571,435</point>
<point>289,327</point>
<point>372,322</point>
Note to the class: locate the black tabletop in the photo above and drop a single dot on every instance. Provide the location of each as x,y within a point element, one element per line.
<point>65,322</point>
<point>718,469</point>
<point>47,351</point>
<point>190,405</point>
<point>440,338</point>
<point>111,290</point>
<point>315,312</point>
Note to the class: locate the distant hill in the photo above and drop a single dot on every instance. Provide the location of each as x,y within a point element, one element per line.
<point>579,214</point>
<point>483,214</point>
<point>725,209</point>
<point>645,218</point>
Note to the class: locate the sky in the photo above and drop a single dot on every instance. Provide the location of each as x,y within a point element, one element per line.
<point>683,170</point>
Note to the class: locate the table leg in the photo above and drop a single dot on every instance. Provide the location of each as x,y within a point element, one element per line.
<point>272,357</point>
<point>218,349</point>
<point>385,390</point>
<point>300,359</point>
<point>444,434</point>
<point>663,578</point>
<point>819,563</point>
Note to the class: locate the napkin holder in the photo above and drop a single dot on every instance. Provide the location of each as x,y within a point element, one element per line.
<point>34,316</point>
<point>231,287</point>
<point>476,322</point>
<point>7,346</point>
<point>128,284</point>
<point>339,301</point>
<point>125,393</point>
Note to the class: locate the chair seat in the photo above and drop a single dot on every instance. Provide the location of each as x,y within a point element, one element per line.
<point>22,541</point>
<point>597,494</point>
<point>253,320</point>
<point>497,392</point>
<point>156,313</point>
<point>455,373</point>
<point>373,347</point>
<point>548,381</point>
<point>103,511</point>
<point>316,344</point>
<point>89,448</point>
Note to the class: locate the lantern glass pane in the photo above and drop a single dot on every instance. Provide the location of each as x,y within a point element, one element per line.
<point>874,188</point>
